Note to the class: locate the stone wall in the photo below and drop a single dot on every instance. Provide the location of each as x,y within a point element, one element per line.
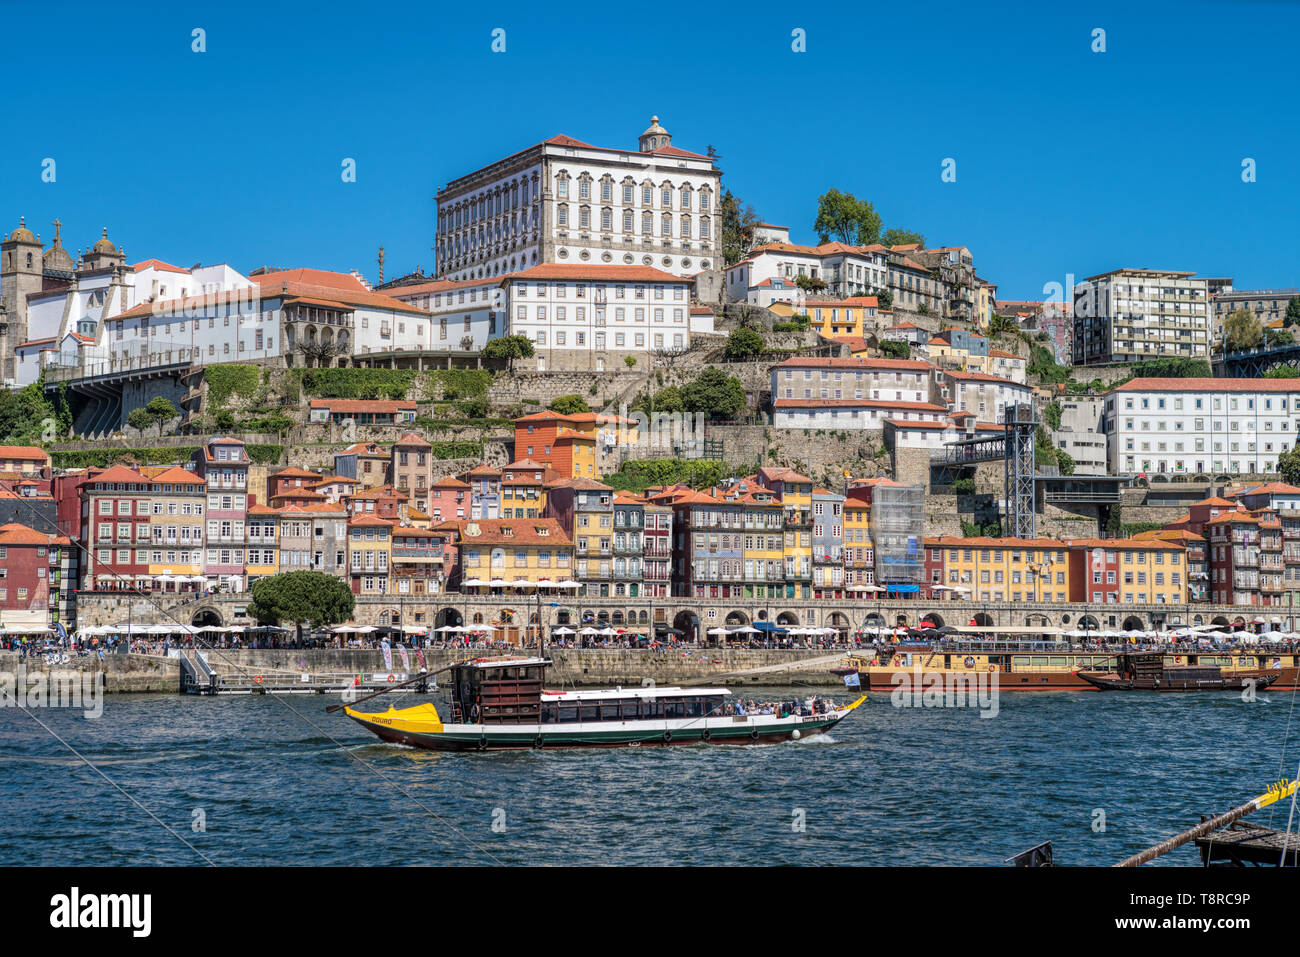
<point>121,673</point>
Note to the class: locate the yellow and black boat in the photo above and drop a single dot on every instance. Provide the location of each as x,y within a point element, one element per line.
<point>499,704</point>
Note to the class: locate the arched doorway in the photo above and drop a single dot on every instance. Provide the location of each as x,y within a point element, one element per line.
<point>206,618</point>
<point>736,619</point>
<point>932,619</point>
<point>787,619</point>
<point>1133,623</point>
<point>1089,623</point>
<point>874,620</point>
<point>447,617</point>
<point>840,622</point>
<point>1220,621</point>
<point>983,619</point>
<point>687,624</point>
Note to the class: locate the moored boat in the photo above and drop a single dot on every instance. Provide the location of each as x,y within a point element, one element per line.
<point>499,704</point>
<point>1018,666</point>
<point>1148,672</point>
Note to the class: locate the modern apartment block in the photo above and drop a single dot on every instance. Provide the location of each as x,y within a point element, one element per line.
<point>1128,315</point>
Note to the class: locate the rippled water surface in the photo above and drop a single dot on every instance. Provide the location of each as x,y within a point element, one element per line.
<point>279,781</point>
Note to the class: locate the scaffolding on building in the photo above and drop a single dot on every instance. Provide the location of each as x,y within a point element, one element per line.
<point>897,531</point>
<point>1018,452</point>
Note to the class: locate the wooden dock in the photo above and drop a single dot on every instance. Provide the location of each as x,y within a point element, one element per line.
<point>1241,844</point>
<point>198,677</point>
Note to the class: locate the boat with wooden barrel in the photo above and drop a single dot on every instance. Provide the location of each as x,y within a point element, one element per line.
<point>1147,671</point>
<point>1019,665</point>
<point>499,704</point>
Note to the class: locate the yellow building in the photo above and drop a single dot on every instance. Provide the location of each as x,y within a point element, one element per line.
<point>523,488</point>
<point>859,552</point>
<point>1004,569</point>
<point>835,318</point>
<point>795,492</point>
<point>506,550</point>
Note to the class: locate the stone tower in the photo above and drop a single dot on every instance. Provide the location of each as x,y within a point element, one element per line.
<point>21,269</point>
<point>656,137</point>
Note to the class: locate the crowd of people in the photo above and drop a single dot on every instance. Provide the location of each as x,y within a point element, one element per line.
<point>808,707</point>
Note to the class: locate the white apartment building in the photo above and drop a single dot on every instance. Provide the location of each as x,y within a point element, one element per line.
<point>1082,434</point>
<point>590,317</point>
<point>1128,315</point>
<point>464,314</point>
<point>980,394</point>
<point>1201,426</point>
<point>853,393</point>
<point>565,201</point>
<point>846,270</point>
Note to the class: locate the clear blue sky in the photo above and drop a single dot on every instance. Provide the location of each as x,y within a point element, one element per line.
<point>1067,161</point>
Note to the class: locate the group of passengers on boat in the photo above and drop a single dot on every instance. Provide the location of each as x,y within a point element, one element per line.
<point>807,708</point>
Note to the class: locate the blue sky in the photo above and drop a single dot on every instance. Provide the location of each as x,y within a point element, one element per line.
<point>1067,161</point>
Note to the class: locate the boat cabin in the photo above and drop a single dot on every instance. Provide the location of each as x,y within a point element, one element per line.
<point>497,691</point>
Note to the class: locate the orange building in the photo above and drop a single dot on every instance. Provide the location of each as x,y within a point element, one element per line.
<point>565,443</point>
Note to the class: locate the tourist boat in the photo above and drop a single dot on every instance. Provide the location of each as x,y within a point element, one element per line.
<point>499,704</point>
<point>1048,666</point>
<point>1019,666</point>
<point>1147,671</point>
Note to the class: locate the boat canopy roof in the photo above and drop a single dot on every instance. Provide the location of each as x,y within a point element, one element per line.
<point>505,661</point>
<point>632,693</point>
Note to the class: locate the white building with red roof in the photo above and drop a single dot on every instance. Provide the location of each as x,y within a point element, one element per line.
<point>566,201</point>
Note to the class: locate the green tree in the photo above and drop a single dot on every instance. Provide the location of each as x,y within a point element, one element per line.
<point>1242,330</point>
<point>1279,337</point>
<point>225,421</point>
<point>139,418</point>
<point>1292,315</point>
<point>892,349</point>
<point>809,283</point>
<point>571,404</point>
<point>629,361</point>
<point>1052,415</point>
<point>902,237</point>
<point>1001,325</point>
<point>161,410</point>
<point>744,344</point>
<point>1282,372</point>
<point>301,598</point>
<point>844,217</point>
<point>738,222</point>
<point>1288,464</point>
<point>509,348</point>
<point>714,393</point>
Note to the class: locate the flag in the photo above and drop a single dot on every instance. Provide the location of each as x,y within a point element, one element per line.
<point>406,662</point>
<point>388,654</point>
<point>419,656</point>
<point>851,680</point>
<point>60,631</point>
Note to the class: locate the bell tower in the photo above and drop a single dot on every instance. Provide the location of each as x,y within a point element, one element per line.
<point>20,274</point>
<point>655,137</point>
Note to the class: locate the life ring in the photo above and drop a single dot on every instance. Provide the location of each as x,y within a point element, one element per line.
<point>897,660</point>
<point>473,714</point>
<point>753,735</point>
<point>537,741</point>
<point>257,678</point>
<point>392,677</point>
<point>1178,659</point>
<point>482,743</point>
<point>993,668</point>
<point>706,734</point>
<point>668,736</point>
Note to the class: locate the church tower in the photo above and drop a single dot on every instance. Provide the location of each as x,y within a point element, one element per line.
<point>21,267</point>
<point>656,137</point>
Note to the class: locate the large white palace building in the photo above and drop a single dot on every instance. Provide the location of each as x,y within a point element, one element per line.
<point>1201,426</point>
<point>565,201</point>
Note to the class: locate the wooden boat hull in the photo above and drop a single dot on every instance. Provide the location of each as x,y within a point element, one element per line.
<point>530,737</point>
<point>882,679</point>
<point>1174,682</point>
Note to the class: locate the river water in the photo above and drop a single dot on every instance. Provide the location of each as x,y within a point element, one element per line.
<point>249,781</point>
